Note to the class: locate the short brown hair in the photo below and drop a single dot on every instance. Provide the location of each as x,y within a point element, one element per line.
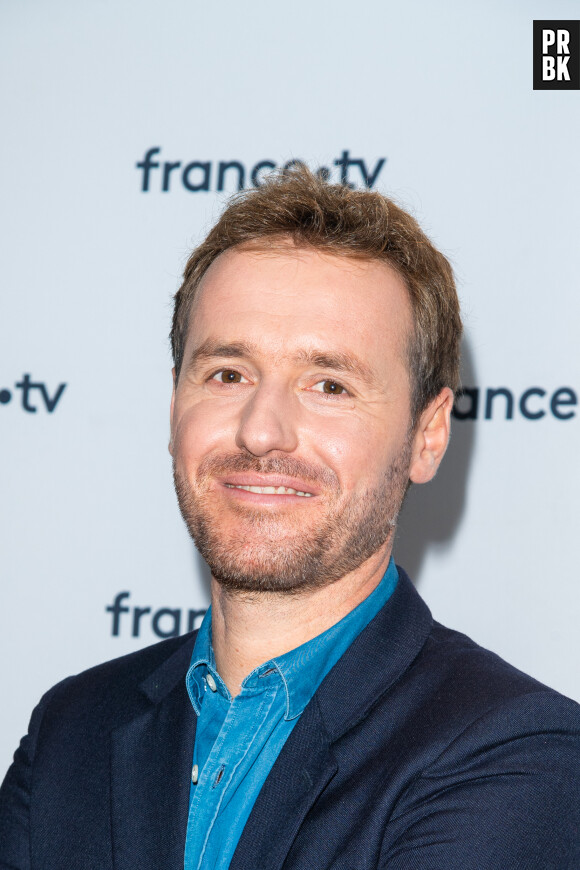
<point>307,210</point>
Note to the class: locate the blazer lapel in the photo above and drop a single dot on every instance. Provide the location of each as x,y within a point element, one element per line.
<point>151,758</point>
<point>304,767</point>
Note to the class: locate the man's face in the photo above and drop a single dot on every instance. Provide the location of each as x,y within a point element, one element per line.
<point>290,423</point>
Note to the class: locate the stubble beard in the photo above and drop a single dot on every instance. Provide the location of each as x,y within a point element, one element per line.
<point>280,553</point>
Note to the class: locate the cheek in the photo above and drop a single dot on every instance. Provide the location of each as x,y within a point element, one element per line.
<point>359,448</point>
<point>198,430</point>
<point>351,451</point>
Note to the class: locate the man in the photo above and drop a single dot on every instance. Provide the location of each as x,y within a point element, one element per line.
<point>320,719</point>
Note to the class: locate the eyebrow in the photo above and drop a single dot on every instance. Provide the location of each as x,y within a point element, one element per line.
<point>339,361</point>
<point>210,349</point>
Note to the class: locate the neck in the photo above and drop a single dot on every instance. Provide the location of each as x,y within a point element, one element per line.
<point>250,628</point>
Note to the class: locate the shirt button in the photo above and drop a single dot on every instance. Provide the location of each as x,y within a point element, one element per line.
<point>211,683</point>
<point>194,774</point>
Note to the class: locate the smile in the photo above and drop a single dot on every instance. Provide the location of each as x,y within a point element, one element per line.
<point>270,490</point>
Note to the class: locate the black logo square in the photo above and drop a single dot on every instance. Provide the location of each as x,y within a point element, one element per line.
<point>556,55</point>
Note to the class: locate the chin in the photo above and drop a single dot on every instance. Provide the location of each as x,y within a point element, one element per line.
<point>257,551</point>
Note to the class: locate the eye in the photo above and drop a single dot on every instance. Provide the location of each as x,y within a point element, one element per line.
<point>331,388</point>
<point>228,376</point>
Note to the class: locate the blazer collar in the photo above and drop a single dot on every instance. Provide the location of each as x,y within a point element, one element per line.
<point>171,672</point>
<point>380,654</point>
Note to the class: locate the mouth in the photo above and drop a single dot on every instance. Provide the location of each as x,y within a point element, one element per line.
<point>270,490</point>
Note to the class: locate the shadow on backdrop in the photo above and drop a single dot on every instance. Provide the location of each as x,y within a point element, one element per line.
<point>432,512</point>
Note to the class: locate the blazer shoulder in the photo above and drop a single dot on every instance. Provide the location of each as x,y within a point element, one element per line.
<point>492,765</point>
<point>124,683</point>
<point>464,683</point>
<point>455,653</point>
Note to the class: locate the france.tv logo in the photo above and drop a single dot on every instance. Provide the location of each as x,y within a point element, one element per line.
<point>557,55</point>
<point>33,395</point>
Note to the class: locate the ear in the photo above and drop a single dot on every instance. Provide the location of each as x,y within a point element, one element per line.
<point>431,437</point>
<point>171,412</point>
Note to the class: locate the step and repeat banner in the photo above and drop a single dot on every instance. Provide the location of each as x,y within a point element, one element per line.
<point>125,128</point>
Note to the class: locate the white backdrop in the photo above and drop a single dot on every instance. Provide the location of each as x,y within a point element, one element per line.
<point>443,93</point>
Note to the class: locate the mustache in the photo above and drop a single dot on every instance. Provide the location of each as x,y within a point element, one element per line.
<point>292,467</point>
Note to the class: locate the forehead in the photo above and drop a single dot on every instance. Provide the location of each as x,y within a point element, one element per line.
<point>289,299</point>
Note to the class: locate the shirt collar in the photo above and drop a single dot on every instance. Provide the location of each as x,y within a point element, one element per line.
<point>202,663</point>
<point>302,669</point>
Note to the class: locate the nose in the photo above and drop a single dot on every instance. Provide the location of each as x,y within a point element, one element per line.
<point>268,422</point>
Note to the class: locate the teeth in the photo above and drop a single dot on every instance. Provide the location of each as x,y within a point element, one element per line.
<point>271,490</point>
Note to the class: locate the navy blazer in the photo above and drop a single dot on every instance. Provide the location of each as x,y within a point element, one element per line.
<point>419,751</point>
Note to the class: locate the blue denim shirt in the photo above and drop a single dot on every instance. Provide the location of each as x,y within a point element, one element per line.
<point>238,740</point>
